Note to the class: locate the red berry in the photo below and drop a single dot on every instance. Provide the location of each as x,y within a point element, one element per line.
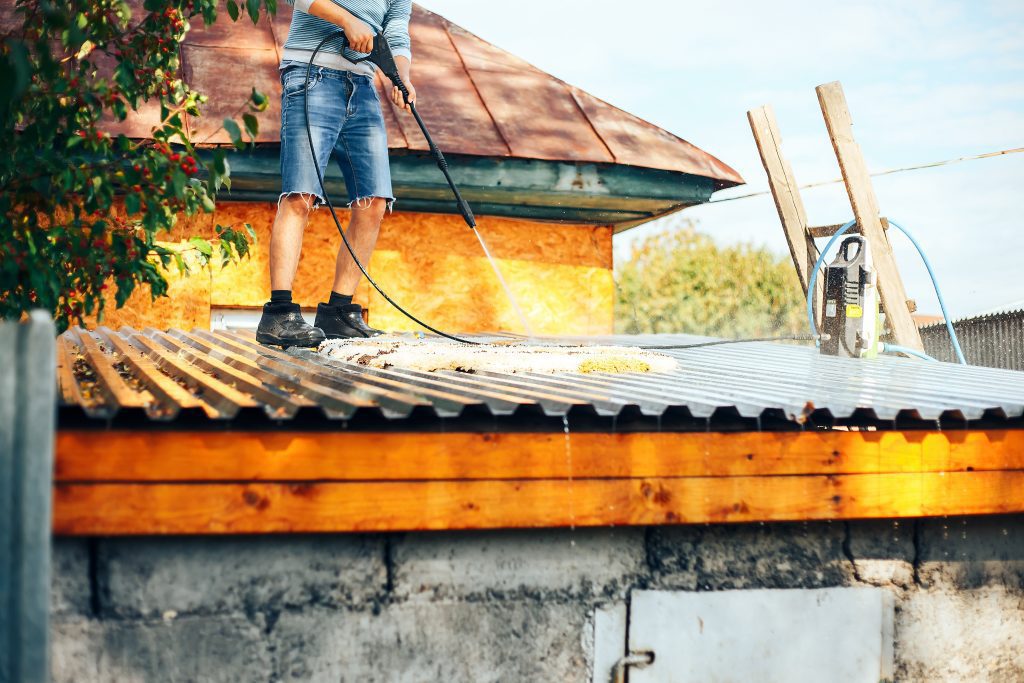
<point>175,157</point>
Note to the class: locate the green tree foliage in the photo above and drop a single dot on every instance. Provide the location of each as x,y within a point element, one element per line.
<point>680,281</point>
<point>68,70</point>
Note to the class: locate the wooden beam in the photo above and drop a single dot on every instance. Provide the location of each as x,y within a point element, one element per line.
<point>135,509</point>
<point>865,210</point>
<point>146,482</point>
<point>829,230</point>
<point>787,198</point>
<point>152,456</point>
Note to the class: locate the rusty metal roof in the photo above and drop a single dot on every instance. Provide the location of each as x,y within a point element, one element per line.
<point>476,98</point>
<point>204,378</point>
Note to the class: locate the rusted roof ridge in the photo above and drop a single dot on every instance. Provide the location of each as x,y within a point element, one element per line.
<point>494,121</point>
<point>572,93</point>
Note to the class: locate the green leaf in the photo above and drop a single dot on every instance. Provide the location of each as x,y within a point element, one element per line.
<point>235,132</point>
<point>132,203</point>
<point>201,245</point>
<point>252,126</point>
<point>233,10</point>
<point>259,100</point>
<point>253,7</point>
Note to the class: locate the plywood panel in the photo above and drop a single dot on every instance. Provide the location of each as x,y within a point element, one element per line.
<point>187,304</point>
<point>434,266</point>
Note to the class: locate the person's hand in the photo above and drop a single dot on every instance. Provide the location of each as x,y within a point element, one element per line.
<point>359,35</point>
<point>398,99</point>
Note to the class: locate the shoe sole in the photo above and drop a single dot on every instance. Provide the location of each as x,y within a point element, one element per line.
<point>273,340</point>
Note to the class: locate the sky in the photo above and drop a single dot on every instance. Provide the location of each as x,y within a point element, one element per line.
<point>925,81</point>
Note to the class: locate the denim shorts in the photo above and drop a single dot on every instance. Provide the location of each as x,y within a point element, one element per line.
<point>347,123</point>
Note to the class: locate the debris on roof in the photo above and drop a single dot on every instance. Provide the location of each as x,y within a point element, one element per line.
<point>504,357</point>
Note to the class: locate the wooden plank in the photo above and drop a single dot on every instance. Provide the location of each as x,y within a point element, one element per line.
<point>133,509</point>
<point>865,210</point>
<point>788,203</point>
<point>829,230</point>
<point>154,456</point>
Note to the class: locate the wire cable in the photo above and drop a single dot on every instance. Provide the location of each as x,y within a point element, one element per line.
<point>931,273</point>
<point>327,200</point>
<point>891,171</point>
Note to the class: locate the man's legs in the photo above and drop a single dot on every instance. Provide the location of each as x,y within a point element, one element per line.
<point>286,239</point>
<point>363,230</point>
<point>282,323</point>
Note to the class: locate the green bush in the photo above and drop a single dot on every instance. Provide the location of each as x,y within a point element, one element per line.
<point>680,281</point>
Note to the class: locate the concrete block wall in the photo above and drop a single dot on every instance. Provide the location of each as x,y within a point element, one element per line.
<point>500,606</point>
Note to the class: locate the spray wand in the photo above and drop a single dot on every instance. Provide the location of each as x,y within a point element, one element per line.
<point>381,56</point>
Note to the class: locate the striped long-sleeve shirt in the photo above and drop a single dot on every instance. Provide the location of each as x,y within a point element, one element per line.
<point>388,16</point>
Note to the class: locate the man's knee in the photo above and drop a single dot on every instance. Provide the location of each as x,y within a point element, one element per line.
<point>370,208</point>
<point>297,203</point>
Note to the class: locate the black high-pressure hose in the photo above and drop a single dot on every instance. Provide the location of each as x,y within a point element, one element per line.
<point>382,56</point>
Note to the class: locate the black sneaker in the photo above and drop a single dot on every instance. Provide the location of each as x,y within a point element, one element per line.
<point>283,325</point>
<point>344,322</point>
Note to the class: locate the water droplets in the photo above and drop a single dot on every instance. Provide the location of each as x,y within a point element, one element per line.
<point>568,464</point>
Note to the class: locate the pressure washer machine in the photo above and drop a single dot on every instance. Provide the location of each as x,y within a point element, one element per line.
<point>850,312</point>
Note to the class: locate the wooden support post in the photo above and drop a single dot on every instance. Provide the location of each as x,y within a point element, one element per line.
<point>865,210</point>
<point>787,198</point>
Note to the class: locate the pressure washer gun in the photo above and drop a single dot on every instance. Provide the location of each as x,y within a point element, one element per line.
<point>851,316</point>
<point>385,61</point>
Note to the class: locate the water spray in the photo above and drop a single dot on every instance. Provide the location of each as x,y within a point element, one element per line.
<point>382,57</point>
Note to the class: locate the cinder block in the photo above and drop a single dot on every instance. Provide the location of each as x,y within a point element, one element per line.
<point>883,552</point>
<point>720,557</point>
<point>435,641</point>
<point>518,563</point>
<point>149,577</point>
<point>971,552</point>
<point>950,636</point>
<point>208,649</point>
<point>69,577</point>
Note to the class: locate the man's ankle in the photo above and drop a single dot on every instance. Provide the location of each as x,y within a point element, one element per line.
<point>281,296</point>
<point>339,299</point>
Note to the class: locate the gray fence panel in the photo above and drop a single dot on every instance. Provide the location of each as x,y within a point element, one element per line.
<point>27,422</point>
<point>992,341</point>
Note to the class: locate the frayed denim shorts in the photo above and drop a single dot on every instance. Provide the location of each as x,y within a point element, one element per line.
<point>347,123</point>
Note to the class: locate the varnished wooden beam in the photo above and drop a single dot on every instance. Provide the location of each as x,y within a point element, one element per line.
<point>171,456</point>
<point>140,509</point>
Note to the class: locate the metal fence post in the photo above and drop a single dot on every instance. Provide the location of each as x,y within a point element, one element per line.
<point>27,422</point>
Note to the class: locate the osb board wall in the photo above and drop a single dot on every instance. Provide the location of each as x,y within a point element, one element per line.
<point>431,264</point>
<point>186,306</point>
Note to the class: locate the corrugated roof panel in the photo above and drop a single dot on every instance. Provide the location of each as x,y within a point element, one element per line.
<point>226,373</point>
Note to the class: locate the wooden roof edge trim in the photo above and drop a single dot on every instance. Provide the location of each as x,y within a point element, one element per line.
<point>263,508</point>
<point>292,456</point>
